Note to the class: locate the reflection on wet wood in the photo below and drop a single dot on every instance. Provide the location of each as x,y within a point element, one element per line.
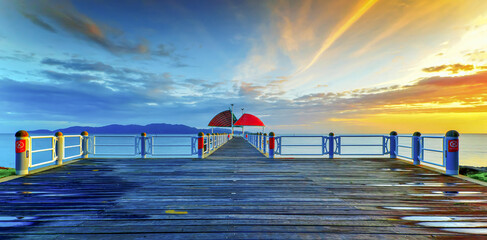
<point>238,194</point>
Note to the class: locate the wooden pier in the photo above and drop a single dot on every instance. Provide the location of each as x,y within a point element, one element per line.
<point>237,193</point>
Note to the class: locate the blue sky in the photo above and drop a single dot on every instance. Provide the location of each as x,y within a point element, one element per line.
<point>301,66</point>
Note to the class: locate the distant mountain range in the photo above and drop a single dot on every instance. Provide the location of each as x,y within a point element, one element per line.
<point>154,128</point>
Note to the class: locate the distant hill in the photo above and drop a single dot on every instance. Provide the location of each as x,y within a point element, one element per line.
<point>154,128</point>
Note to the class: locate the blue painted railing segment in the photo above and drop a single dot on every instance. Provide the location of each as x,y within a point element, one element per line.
<point>424,149</point>
<point>393,144</point>
<point>337,145</point>
<point>155,145</point>
<point>194,145</point>
<point>278,145</point>
<point>402,146</point>
<point>386,145</point>
<point>122,142</point>
<point>340,145</point>
<point>322,145</point>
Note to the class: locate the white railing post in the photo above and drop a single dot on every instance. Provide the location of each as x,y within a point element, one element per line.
<point>59,148</point>
<point>22,152</point>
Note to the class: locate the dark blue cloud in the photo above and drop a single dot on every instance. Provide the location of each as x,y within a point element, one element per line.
<point>36,20</point>
<point>111,77</point>
<point>80,65</point>
<point>66,16</point>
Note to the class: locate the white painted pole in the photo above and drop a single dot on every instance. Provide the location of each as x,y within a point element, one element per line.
<point>231,116</point>
<point>59,148</point>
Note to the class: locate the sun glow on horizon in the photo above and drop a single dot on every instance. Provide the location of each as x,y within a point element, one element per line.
<point>423,122</point>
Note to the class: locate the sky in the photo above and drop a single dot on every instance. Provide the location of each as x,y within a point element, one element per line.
<point>355,66</point>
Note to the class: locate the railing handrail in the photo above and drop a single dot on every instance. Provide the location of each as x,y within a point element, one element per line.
<point>142,145</point>
<point>390,145</point>
<point>52,149</point>
<point>68,136</point>
<point>360,135</point>
<point>39,137</point>
<point>135,135</point>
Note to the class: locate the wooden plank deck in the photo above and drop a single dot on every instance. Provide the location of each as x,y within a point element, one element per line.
<point>238,194</point>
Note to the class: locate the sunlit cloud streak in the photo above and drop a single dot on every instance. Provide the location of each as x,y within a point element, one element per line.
<point>435,94</point>
<point>452,68</point>
<point>338,32</point>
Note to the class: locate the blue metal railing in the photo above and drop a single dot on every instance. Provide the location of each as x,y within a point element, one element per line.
<point>403,146</point>
<point>155,145</point>
<point>339,145</point>
<point>358,145</point>
<point>423,150</point>
<point>322,146</point>
<point>184,143</point>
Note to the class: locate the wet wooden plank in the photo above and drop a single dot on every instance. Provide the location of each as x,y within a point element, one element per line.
<point>236,193</point>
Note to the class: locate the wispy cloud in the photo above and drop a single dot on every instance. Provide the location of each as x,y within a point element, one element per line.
<point>452,68</point>
<point>339,31</point>
<point>63,14</point>
<point>128,79</point>
<point>402,15</point>
<point>477,55</point>
<point>36,20</point>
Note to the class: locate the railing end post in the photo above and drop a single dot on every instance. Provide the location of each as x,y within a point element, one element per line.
<point>416,148</point>
<point>331,145</point>
<point>452,146</point>
<point>393,144</point>
<point>143,152</point>
<point>22,152</point>
<point>272,144</point>
<point>59,147</point>
<point>84,144</point>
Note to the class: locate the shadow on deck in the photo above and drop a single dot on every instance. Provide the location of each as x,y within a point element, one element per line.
<point>236,193</point>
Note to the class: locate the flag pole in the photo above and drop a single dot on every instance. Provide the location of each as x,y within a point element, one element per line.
<point>231,116</point>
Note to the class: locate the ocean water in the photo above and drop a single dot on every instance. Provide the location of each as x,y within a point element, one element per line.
<point>473,147</point>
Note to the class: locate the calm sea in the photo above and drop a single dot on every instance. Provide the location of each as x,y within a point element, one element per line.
<point>473,147</point>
